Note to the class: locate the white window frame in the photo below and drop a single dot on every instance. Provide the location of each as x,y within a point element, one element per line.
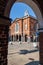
<point>17,27</point>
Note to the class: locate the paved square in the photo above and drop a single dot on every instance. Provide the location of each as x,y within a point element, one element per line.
<point>22,54</point>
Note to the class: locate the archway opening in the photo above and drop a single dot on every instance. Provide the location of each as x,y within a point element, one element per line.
<point>18,10</point>
<point>31,48</point>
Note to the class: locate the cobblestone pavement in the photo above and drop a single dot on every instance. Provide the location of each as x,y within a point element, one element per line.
<point>22,54</point>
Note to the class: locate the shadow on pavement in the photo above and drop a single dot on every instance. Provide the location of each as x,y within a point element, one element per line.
<point>33,63</point>
<point>27,51</point>
<point>23,52</point>
<point>12,53</point>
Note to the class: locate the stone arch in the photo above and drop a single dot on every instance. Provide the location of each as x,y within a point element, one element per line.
<point>4,27</point>
<point>31,3</point>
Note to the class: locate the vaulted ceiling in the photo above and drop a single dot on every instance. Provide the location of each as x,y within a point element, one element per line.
<point>3,4</point>
<point>40,4</point>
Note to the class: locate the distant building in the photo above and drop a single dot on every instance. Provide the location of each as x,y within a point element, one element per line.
<point>23,29</point>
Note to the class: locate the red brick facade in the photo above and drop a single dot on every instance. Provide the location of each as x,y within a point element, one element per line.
<point>26,27</point>
<point>12,27</point>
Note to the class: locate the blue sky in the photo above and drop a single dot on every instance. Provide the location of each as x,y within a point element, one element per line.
<point>18,9</point>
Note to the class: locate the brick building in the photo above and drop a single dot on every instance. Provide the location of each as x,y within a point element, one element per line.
<point>23,29</point>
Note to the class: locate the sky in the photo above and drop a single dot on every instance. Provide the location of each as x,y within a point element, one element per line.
<point>18,9</point>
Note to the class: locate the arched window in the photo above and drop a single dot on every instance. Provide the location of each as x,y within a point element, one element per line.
<point>25,26</point>
<point>17,27</point>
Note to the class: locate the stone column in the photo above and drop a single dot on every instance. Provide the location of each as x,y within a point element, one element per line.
<point>13,38</point>
<point>41,45</point>
<point>4,28</point>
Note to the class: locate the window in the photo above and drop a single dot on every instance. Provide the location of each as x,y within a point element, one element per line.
<point>17,27</point>
<point>37,26</point>
<point>25,26</point>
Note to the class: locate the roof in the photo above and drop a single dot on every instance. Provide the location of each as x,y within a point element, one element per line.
<point>17,19</point>
<point>29,17</point>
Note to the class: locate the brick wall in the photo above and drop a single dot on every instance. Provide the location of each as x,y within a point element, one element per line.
<point>3,4</point>
<point>25,25</point>
<point>30,22</point>
<point>4,28</point>
<point>3,44</point>
<point>33,24</point>
<point>41,47</point>
<point>12,27</point>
